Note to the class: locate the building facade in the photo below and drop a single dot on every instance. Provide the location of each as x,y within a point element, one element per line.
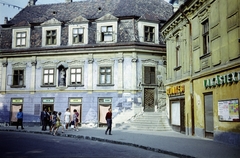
<point>203,74</point>
<point>85,55</point>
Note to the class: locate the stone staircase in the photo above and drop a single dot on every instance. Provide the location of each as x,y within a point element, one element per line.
<point>149,121</point>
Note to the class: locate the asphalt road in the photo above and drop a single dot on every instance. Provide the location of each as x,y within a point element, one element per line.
<point>17,144</point>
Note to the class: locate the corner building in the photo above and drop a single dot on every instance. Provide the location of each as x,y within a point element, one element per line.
<point>85,55</point>
<point>203,58</point>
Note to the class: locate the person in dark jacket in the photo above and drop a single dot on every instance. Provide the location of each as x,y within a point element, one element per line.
<point>109,121</point>
<point>20,119</point>
<point>44,119</point>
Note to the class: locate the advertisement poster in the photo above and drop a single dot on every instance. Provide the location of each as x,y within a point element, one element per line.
<point>228,110</point>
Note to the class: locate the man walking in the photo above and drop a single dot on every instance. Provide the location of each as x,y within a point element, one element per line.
<point>20,119</point>
<point>109,121</point>
<point>44,119</point>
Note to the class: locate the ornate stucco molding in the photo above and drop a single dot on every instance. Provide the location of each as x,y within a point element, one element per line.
<point>19,64</point>
<point>105,62</point>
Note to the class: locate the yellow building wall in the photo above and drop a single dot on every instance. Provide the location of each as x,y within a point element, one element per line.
<point>224,92</point>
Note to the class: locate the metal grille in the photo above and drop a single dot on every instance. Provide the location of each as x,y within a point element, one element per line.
<point>149,100</point>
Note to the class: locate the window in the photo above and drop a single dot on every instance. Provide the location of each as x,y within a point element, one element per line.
<point>205,37</point>
<point>149,75</point>
<point>177,52</point>
<point>51,37</point>
<point>78,35</point>
<point>18,78</point>
<point>106,33</point>
<point>105,75</point>
<point>48,77</point>
<point>21,39</point>
<point>76,76</point>
<point>149,34</point>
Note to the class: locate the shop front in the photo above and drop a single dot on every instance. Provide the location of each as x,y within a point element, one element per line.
<point>216,99</point>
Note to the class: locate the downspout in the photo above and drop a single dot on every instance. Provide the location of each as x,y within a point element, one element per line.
<point>191,65</point>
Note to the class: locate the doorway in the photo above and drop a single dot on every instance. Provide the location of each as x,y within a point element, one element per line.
<point>103,105</point>
<point>72,107</point>
<point>149,100</point>
<point>208,115</point>
<point>16,104</point>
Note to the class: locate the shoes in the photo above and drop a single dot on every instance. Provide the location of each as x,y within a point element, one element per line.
<point>22,128</point>
<point>110,134</point>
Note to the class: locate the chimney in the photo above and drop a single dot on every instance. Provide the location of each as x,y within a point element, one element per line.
<point>5,20</point>
<point>68,1</point>
<point>32,2</point>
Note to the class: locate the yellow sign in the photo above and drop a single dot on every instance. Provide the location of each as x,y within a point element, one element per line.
<point>176,90</point>
<point>17,101</point>
<point>75,100</point>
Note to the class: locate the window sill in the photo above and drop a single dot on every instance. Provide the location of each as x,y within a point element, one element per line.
<point>48,86</point>
<point>149,84</point>
<point>205,55</point>
<point>105,84</point>
<point>76,85</point>
<point>17,86</point>
<point>177,68</point>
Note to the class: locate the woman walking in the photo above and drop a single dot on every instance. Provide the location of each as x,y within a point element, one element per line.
<point>58,124</point>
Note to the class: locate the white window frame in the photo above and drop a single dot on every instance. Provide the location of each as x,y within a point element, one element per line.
<point>85,33</point>
<point>107,24</point>
<point>53,76</point>
<point>99,73</point>
<point>27,39</point>
<point>141,28</point>
<point>44,35</point>
<point>70,76</point>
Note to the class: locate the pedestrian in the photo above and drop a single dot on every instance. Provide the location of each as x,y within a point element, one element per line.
<point>20,119</point>
<point>67,118</point>
<point>49,120</point>
<point>44,119</point>
<point>75,119</point>
<point>58,124</point>
<point>109,121</point>
<point>54,120</point>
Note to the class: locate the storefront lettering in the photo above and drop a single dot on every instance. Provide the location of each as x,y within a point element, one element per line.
<point>175,90</point>
<point>221,80</point>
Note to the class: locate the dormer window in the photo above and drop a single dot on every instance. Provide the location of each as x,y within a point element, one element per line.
<point>78,35</point>
<point>106,33</point>
<point>51,37</point>
<point>107,29</point>
<point>21,39</point>
<point>149,34</point>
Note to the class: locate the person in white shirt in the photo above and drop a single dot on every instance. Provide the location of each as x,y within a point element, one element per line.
<point>67,118</point>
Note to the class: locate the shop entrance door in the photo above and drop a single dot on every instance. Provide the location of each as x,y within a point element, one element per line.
<point>14,110</point>
<point>208,112</point>
<point>103,109</point>
<point>79,110</point>
<point>182,116</point>
<point>149,100</point>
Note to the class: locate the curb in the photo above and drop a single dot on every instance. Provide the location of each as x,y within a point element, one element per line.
<point>104,140</point>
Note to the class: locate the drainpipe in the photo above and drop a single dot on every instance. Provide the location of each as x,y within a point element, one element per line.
<point>191,65</point>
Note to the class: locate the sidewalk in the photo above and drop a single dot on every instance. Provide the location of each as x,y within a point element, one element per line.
<point>167,142</point>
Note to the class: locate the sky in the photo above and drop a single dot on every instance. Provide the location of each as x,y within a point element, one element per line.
<point>7,8</point>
